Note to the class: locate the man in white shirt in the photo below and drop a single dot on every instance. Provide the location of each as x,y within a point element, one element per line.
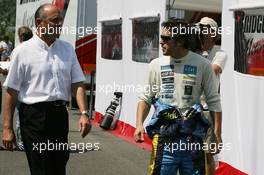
<point>43,72</point>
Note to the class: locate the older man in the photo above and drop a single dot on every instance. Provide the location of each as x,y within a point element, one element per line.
<point>44,71</point>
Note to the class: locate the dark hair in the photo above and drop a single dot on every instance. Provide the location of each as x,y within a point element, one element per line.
<point>195,43</point>
<point>40,13</point>
<point>180,30</point>
<point>24,33</point>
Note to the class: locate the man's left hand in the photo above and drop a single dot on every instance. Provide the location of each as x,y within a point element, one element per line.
<point>219,142</point>
<point>84,125</point>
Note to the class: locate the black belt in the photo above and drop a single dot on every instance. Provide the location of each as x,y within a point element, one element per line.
<point>57,103</point>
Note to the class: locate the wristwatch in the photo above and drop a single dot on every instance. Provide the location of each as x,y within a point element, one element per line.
<point>85,113</point>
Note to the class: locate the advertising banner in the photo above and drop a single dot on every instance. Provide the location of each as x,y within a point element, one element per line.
<point>249,42</point>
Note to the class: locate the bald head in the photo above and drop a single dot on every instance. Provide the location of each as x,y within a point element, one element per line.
<point>48,12</point>
<point>42,11</point>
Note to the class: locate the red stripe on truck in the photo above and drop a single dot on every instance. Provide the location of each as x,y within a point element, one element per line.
<point>85,39</point>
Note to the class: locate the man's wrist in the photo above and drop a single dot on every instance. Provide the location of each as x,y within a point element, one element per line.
<point>217,132</point>
<point>8,127</point>
<point>85,113</point>
<point>139,124</point>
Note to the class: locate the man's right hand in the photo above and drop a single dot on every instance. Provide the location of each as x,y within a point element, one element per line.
<point>142,112</point>
<point>8,138</point>
<point>139,134</point>
<point>1,70</point>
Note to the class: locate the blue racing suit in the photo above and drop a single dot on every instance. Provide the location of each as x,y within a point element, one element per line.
<point>177,141</point>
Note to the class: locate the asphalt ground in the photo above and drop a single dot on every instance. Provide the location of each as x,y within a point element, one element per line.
<point>105,155</point>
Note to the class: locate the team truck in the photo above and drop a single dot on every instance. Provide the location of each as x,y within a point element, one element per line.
<point>129,40</point>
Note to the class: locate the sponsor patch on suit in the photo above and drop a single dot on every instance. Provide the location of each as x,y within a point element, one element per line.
<point>168,86</point>
<point>167,73</point>
<point>168,80</point>
<point>188,90</point>
<point>167,67</point>
<point>167,96</point>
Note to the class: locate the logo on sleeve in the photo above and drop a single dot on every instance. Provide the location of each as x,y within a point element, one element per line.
<point>188,69</point>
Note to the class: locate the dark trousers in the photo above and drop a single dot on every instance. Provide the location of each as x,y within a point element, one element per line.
<point>44,130</point>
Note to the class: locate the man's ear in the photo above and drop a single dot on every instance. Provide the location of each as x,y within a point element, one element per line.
<point>38,22</point>
<point>174,43</point>
<point>179,42</point>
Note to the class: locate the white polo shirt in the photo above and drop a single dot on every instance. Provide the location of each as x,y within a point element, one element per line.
<point>42,73</point>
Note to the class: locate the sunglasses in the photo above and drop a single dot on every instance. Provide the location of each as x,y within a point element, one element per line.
<point>166,38</point>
